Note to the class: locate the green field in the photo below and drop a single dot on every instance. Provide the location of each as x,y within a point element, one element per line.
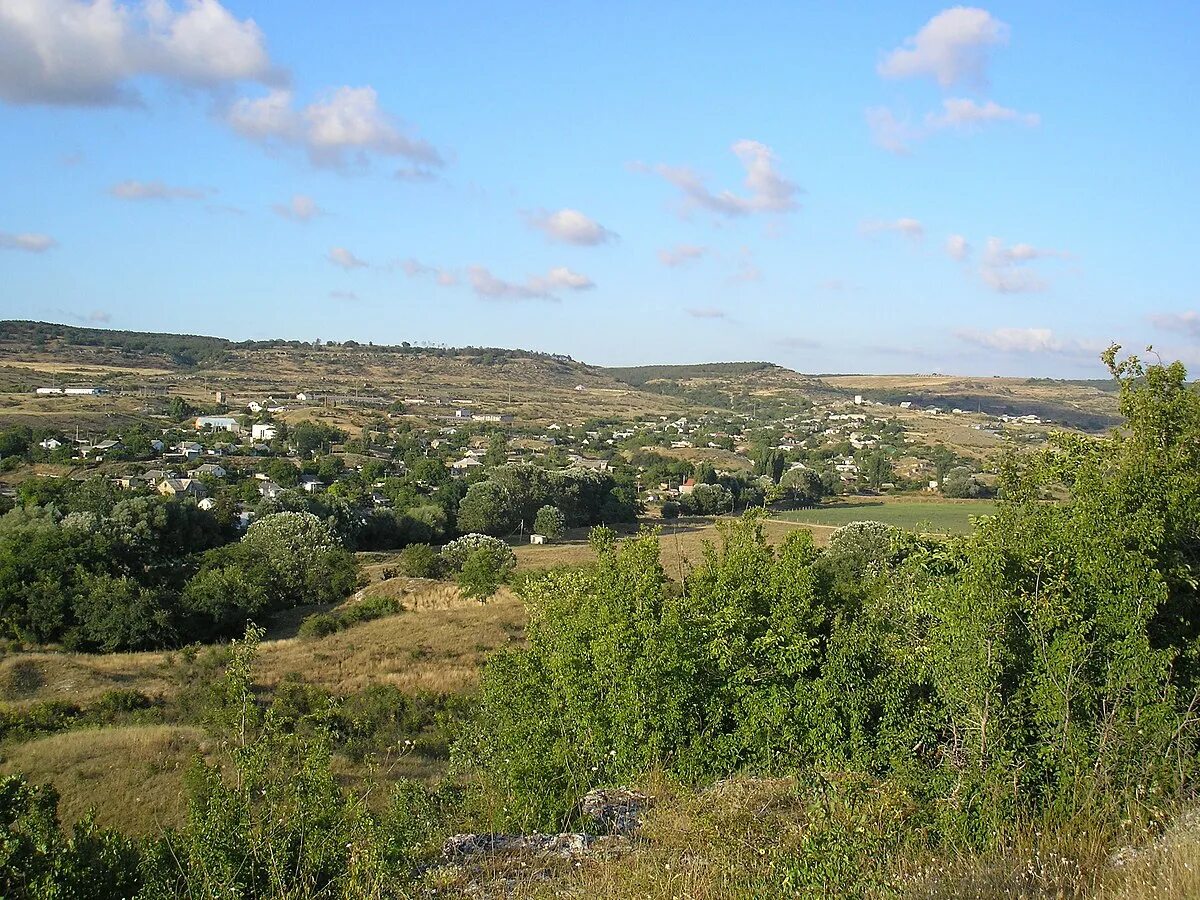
<point>944,517</point>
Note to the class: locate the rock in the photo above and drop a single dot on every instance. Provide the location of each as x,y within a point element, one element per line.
<point>615,810</point>
<point>568,845</point>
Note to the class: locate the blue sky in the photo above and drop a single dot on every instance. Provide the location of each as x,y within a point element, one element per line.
<point>898,187</point>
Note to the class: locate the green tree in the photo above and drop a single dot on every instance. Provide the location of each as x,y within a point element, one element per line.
<point>550,522</point>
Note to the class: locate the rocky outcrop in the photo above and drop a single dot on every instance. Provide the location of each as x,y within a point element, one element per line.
<point>616,814</point>
<point>615,810</point>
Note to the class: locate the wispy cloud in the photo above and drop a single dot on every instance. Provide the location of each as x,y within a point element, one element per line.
<point>898,135</point>
<point>767,191</point>
<point>343,126</point>
<point>155,190</point>
<point>1005,268</point>
<point>957,247</point>
<point>707,312</point>
<point>1187,322</point>
<point>415,268</point>
<point>681,254</point>
<point>27,241</point>
<point>537,287</point>
<point>300,208</point>
<point>910,228</point>
<point>570,226</point>
<point>342,257</point>
<point>961,113</point>
<point>1028,341</point>
<point>952,48</point>
<point>348,296</point>
<point>81,53</point>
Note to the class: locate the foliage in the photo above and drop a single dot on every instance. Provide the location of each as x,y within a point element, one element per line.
<point>322,624</point>
<point>1044,663</point>
<point>419,561</point>
<point>550,523</point>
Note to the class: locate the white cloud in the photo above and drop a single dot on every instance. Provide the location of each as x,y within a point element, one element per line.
<point>570,226</point>
<point>957,247</point>
<point>681,254</point>
<point>958,114</point>
<point>80,53</point>
<point>892,134</point>
<point>1027,340</point>
<point>340,256</point>
<point>344,125</point>
<point>538,287</point>
<point>952,48</point>
<point>767,191</point>
<point>300,208</point>
<point>414,268</point>
<point>29,242</point>
<point>154,190</point>
<point>961,113</point>
<point>707,312</point>
<point>349,296</point>
<point>747,270</point>
<point>910,228</point>
<point>1187,322</point>
<point>1003,269</point>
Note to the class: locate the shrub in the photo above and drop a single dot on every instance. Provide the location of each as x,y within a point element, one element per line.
<point>454,555</point>
<point>550,522</point>
<point>419,561</point>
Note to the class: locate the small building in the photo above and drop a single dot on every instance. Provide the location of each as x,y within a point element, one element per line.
<point>218,423</point>
<point>84,391</point>
<point>182,487</point>
<point>270,489</point>
<point>537,539</point>
<point>46,391</point>
<point>207,503</point>
<point>467,462</point>
<point>212,470</point>
<point>50,443</point>
<point>263,432</point>
<point>312,485</point>
<point>688,486</point>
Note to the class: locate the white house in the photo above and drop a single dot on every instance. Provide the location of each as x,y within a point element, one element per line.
<point>219,423</point>
<point>50,444</point>
<point>211,469</point>
<point>263,432</point>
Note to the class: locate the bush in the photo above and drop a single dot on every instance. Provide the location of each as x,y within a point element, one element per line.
<point>454,555</point>
<point>550,523</point>
<point>670,509</point>
<point>419,561</point>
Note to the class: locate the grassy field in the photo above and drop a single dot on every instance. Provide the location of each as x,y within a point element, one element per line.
<point>932,516</point>
<point>132,775</point>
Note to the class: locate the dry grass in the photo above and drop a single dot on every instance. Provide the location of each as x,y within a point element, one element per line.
<point>437,644</point>
<point>132,776</point>
<point>681,542</point>
<point>750,838</point>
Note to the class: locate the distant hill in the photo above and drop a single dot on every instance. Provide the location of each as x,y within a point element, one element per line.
<point>533,385</point>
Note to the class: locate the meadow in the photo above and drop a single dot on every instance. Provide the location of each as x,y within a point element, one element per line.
<point>928,517</point>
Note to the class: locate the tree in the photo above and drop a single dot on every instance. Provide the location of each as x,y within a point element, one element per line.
<point>486,508</point>
<point>305,561</point>
<point>801,486</point>
<point>878,469</point>
<point>550,523</point>
<point>497,451</point>
<point>960,483</point>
